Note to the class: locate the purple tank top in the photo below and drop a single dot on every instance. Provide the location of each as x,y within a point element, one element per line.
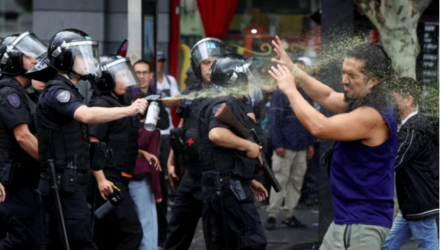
<point>362,179</point>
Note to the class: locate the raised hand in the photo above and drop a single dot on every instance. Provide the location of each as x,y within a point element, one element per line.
<point>281,57</point>
<point>283,77</point>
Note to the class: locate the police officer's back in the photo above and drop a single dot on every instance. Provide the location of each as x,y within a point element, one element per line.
<point>187,208</point>
<point>229,164</point>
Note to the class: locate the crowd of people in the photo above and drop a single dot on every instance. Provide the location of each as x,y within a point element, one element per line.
<point>78,175</point>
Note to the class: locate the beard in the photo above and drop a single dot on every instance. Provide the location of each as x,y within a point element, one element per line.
<point>346,98</point>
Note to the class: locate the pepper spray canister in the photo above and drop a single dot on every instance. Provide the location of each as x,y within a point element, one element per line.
<point>152,112</point>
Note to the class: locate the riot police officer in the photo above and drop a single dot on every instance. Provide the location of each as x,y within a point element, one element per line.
<point>120,136</point>
<point>21,213</point>
<point>228,163</point>
<point>63,133</point>
<point>187,208</point>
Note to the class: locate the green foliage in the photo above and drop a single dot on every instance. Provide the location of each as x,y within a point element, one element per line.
<point>430,103</point>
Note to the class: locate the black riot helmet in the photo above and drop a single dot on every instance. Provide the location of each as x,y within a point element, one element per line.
<point>14,47</point>
<point>203,49</point>
<point>233,70</point>
<point>73,51</point>
<point>115,70</point>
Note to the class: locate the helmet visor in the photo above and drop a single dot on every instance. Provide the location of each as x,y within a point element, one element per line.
<point>251,72</point>
<point>30,45</point>
<point>122,72</point>
<point>85,55</point>
<point>206,48</point>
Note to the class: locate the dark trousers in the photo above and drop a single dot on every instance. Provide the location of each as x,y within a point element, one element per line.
<point>21,221</point>
<point>162,208</point>
<point>120,229</point>
<point>186,213</point>
<point>77,218</point>
<point>310,186</point>
<point>242,221</point>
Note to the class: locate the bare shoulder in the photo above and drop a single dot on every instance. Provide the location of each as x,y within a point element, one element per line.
<point>372,121</point>
<point>368,115</point>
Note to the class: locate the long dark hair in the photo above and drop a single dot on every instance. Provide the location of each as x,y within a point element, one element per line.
<point>377,64</point>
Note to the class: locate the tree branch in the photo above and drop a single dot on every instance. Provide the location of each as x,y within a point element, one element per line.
<point>371,9</point>
<point>422,5</point>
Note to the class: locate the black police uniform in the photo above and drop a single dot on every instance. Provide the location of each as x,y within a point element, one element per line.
<point>187,209</point>
<point>65,141</point>
<point>229,172</point>
<point>20,213</point>
<point>120,229</point>
<point>188,202</point>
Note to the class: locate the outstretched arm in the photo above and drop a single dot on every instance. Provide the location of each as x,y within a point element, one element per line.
<point>364,123</point>
<point>93,115</point>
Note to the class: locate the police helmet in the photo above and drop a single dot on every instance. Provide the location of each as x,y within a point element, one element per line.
<point>14,47</point>
<point>203,49</point>
<point>233,70</point>
<point>72,50</point>
<point>115,69</point>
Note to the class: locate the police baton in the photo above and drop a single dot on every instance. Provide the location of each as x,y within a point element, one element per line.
<point>218,189</point>
<point>55,187</point>
<point>225,115</point>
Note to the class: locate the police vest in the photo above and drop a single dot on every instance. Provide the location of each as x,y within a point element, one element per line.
<point>121,139</point>
<point>191,138</point>
<point>226,161</point>
<point>9,147</point>
<point>62,139</point>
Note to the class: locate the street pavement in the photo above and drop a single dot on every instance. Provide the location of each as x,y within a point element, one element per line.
<point>284,238</point>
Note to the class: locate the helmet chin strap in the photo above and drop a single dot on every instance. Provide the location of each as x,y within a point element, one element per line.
<point>28,83</point>
<point>114,92</point>
<point>72,75</point>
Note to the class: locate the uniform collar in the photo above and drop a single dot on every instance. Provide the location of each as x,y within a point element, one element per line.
<point>67,81</point>
<point>12,80</point>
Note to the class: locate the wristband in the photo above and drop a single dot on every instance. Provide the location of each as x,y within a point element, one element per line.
<point>294,69</point>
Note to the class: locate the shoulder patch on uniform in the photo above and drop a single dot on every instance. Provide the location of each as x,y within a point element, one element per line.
<point>14,100</point>
<point>63,96</point>
<point>215,108</point>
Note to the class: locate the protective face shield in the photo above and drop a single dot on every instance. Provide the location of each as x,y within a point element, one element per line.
<point>122,73</point>
<point>251,72</point>
<point>235,71</point>
<point>28,44</point>
<point>14,47</point>
<point>85,56</point>
<point>205,48</point>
